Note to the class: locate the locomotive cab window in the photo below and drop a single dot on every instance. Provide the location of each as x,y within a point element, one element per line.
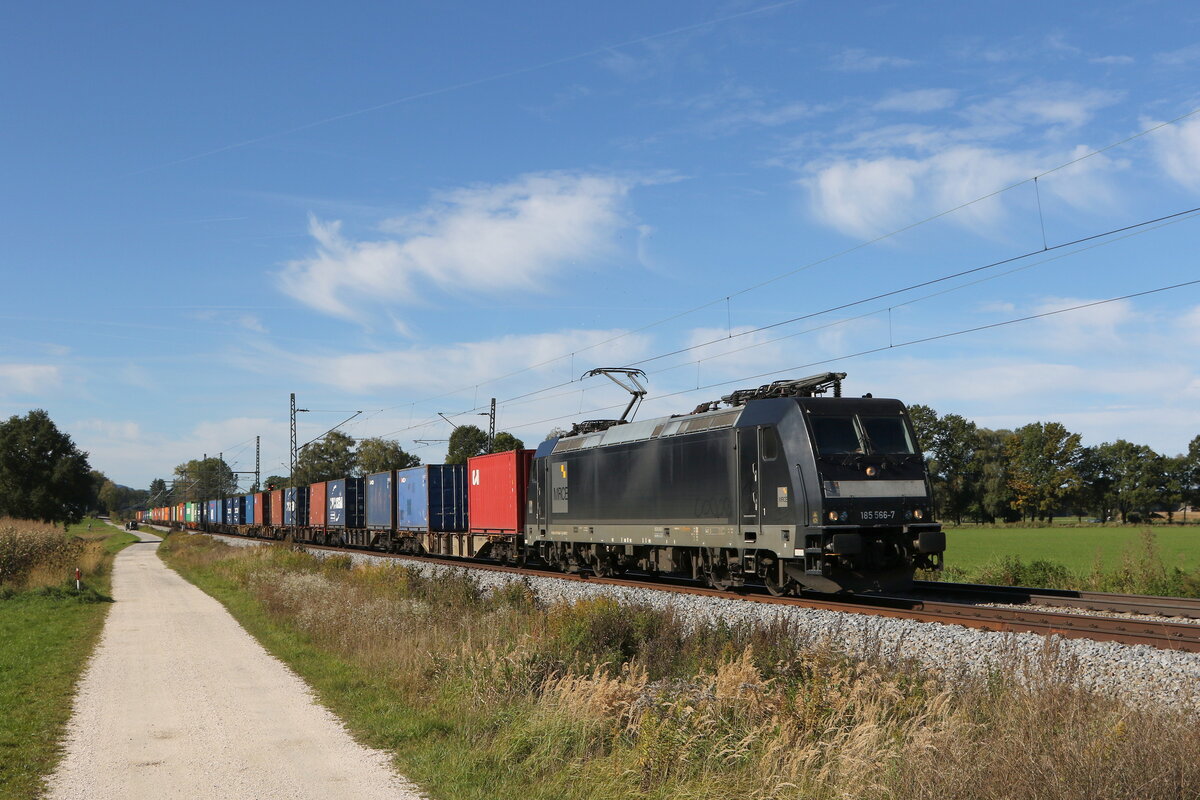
<point>887,435</point>
<point>836,435</point>
<point>770,444</point>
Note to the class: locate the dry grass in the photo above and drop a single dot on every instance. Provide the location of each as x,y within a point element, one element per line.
<point>36,554</point>
<point>595,699</point>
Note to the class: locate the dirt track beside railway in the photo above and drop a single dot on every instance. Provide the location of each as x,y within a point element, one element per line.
<point>179,701</point>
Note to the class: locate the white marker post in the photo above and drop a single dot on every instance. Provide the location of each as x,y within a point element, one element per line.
<point>78,579</point>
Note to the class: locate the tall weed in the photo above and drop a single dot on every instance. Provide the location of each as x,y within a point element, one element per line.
<point>598,699</point>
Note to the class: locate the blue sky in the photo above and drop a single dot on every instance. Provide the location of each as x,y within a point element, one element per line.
<point>411,208</point>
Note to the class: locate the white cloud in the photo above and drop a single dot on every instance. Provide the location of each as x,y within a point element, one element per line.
<point>1100,401</point>
<point>28,378</point>
<point>1112,60</point>
<point>1097,328</point>
<point>131,455</point>
<point>855,59</point>
<point>919,100</point>
<point>481,239</point>
<point>1057,104</point>
<point>1189,325</point>
<point>867,197</point>
<point>1177,149</point>
<point>905,173</point>
<point>443,368</point>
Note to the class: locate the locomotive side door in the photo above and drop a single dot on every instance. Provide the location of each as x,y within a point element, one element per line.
<point>748,484</point>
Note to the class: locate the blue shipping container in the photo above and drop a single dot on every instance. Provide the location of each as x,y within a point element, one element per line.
<point>248,505</point>
<point>381,501</point>
<point>234,510</point>
<point>295,507</point>
<point>432,497</point>
<point>344,503</point>
<point>216,512</point>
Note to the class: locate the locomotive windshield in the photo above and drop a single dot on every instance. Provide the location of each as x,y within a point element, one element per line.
<point>839,435</point>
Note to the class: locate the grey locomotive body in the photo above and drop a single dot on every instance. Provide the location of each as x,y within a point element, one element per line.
<point>821,493</point>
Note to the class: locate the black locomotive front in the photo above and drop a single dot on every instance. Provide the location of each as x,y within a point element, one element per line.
<point>869,520</point>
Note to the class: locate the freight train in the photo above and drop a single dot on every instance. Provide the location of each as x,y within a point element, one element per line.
<point>778,485</point>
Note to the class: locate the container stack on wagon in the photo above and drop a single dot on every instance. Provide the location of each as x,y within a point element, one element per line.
<point>463,510</point>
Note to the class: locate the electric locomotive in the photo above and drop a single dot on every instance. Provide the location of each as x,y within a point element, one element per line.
<point>781,485</point>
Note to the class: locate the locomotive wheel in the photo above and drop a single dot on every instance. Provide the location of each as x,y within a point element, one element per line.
<point>780,590</point>
<point>602,563</point>
<point>715,571</point>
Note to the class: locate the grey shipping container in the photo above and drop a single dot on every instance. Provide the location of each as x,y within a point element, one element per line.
<point>432,498</point>
<point>381,501</point>
<point>295,507</point>
<point>344,503</point>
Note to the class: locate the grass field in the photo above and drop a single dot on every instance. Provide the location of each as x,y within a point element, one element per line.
<point>1076,549</point>
<point>46,636</point>
<point>491,697</point>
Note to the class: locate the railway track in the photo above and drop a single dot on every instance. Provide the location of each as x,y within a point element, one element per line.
<point>1066,598</point>
<point>964,610</point>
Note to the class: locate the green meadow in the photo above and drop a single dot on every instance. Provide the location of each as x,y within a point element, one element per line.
<point>1076,548</point>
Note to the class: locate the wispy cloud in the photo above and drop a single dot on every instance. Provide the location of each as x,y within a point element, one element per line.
<point>918,100</point>
<point>28,378</point>
<point>480,239</point>
<point>1180,57</point>
<point>1056,104</point>
<point>1177,150</point>
<point>905,172</point>
<point>1113,61</point>
<point>440,368</point>
<point>854,59</point>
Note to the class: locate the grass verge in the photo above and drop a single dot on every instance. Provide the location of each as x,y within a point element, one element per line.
<point>1056,560</point>
<point>498,695</point>
<point>47,633</point>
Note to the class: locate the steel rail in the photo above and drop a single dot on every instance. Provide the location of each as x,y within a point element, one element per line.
<point>1067,598</point>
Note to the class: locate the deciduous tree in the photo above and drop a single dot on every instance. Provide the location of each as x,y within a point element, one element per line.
<point>43,475</point>
<point>329,458</point>
<point>1137,477</point>
<point>377,455</point>
<point>1041,462</point>
<point>203,479</point>
<point>466,441</point>
<point>505,441</point>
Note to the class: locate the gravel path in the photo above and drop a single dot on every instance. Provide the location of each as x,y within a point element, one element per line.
<point>179,701</point>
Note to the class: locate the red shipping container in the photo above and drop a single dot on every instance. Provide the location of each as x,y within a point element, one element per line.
<point>276,505</point>
<point>316,505</point>
<point>259,519</point>
<point>496,486</point>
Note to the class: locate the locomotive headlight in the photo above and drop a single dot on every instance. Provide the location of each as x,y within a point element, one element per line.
<point>919,514</point>
<point>872,472</point>
<point>833,516</point>
<point>843,516</point>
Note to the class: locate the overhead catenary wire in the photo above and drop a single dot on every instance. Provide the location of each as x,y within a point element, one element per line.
<point>882,348</point>
<point>819,261</point>
<point>1128,230</point>
<point>869,351</point>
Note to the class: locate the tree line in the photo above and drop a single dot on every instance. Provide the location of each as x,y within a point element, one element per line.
<point>45,476</point>
<point>333,456</point>
<point>1041,470</point>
